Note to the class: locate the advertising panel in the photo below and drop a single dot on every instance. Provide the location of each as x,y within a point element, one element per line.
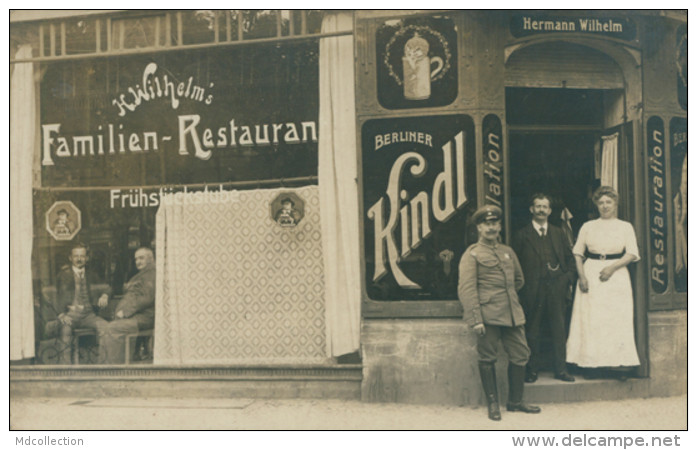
<point>418,195</point>
<point>678,169</point>
<point>178,118</point>
<point>416,62</point>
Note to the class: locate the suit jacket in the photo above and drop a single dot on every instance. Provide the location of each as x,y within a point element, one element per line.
<point>65,288</point>
<point>138,299</point>
<point>526,246</point>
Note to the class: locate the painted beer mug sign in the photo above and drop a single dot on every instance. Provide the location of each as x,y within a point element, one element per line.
<point>416,64</point>
<point>417,69</point>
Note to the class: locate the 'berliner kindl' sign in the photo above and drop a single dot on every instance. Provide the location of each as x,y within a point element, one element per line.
<point>418,195</point>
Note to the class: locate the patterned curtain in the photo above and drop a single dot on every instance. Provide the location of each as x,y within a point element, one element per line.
<point>22,140</point>
<point>338,176</point>
<point>234,286</point>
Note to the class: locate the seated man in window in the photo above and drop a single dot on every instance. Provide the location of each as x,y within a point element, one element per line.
<point>76,300</point>
<point>134,312</point>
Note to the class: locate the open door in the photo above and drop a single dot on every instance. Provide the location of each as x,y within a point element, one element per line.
<point>630,197</point>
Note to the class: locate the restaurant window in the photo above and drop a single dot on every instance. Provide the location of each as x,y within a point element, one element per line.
<point>118,134</point>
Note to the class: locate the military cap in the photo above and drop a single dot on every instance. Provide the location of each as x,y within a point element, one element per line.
<point>487,212</point>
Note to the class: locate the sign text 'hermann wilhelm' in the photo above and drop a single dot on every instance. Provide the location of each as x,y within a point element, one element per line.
<point>418,179</point>
<point>531,24</point>
<point>189,135</point>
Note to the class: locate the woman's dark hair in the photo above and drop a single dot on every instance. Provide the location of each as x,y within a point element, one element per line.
<point>605,191</point>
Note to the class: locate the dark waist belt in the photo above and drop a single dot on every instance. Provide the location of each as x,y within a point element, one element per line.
<point>603,257</point>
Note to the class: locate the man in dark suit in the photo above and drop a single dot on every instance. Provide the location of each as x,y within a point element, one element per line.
<point>134,312</point>
<point>76,300</point>
<point>548,267</point>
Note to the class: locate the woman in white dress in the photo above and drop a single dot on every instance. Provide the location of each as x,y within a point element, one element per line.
<point>601,334</point>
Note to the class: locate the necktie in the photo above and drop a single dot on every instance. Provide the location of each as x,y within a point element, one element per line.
<point>542,231</point>
<point>81,289</point>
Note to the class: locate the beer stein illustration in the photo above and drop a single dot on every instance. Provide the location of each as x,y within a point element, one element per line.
<point>417,68</point>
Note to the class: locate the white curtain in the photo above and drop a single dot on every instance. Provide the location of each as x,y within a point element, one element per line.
<point>338,186</point>
<point>22,136</point>
<point>608,171</point>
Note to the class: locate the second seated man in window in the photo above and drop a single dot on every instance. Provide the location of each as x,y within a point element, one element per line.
<point>135,311</point>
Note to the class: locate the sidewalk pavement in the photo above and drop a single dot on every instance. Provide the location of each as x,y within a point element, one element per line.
<point>37,413</point>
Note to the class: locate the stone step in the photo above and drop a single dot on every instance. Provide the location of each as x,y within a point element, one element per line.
<point>549,390</point>
<point>338,381</point>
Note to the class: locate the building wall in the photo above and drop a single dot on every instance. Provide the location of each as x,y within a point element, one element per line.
<point>419,361</point>
<point>434,361</point>
<point>668,353</point>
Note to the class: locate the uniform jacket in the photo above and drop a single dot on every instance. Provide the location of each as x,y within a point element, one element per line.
<point>65,288</point>
<point>489,279</point>
<point>526,247</point>
<point>139,298</point>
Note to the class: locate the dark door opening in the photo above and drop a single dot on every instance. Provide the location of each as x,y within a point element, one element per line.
<point>553,134</point>
<point>561,165</point>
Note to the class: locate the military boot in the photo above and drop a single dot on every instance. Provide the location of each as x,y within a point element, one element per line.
<point>516,380</point>
<point>487,372</point>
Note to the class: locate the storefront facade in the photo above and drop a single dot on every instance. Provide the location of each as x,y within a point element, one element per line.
<point>453,110</point>
<point>518,102</point>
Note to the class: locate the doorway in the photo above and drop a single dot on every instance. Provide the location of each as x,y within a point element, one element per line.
<point>560,164</point>
<point>554,148</point>
<point>566,104</point>
<point>554,138</point>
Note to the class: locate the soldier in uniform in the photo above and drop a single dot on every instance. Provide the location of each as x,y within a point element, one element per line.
<point>490,276</point>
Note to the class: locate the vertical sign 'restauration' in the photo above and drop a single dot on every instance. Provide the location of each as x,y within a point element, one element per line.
<point>658,248</point>
<point>493,160</point>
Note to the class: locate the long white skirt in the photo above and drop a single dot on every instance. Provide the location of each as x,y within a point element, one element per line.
<point>601,333</point>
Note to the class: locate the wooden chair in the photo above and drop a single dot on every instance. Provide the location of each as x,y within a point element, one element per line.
<point>89,352</point>
<point>148,334</point>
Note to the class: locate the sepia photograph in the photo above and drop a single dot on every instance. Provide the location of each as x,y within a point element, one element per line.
<point>303,219</point>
